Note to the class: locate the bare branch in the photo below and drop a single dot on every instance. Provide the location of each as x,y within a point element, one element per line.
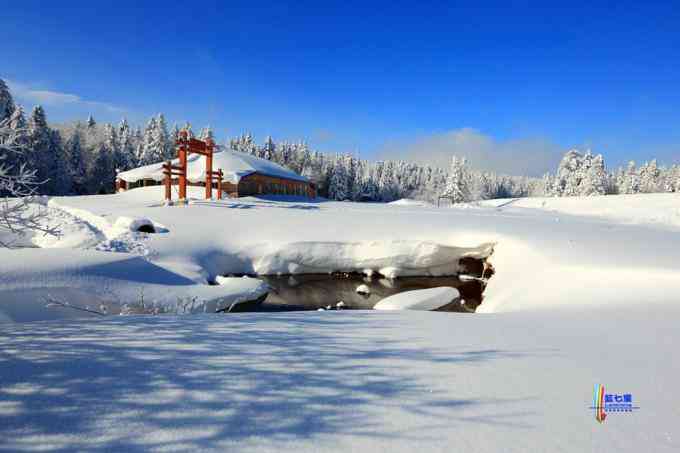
<point>54,302</point>
<point>21,210</point>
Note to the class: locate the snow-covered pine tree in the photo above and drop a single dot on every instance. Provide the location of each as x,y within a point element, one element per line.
<point>674,179</point>
<point>302,157</point>
<point>62,176</point>
<point>649,177</point>
<point>7,106</point>
<point>91,123</point>
<point>103,175</point>
<point>112,143</point>
<point>269,149</point>
<point>206,133</point>
<point>18,128</point>
<point>458,182</point>
<point>75,160</point>
<point>548,186</point>
<point>594,181</point>
<point>174,135</point>
<point>338,187</point>
<point>631,182</point>
<point>387,189</point>
<point>569,174</point>
<point>39,155</point>
<point>187,127</point>
<point>152,149</point>
<point>162,139</point>
<point>126,147</point>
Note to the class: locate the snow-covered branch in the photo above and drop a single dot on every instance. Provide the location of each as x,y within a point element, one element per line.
<point>20,209</point>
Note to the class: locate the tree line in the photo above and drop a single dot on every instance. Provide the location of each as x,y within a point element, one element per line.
<point>82,157</point>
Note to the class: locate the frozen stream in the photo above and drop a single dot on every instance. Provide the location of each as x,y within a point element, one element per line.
<point>314,291</point>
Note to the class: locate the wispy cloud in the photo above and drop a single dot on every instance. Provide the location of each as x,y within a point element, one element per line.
<point>526,156</point>
<point>27,93</point>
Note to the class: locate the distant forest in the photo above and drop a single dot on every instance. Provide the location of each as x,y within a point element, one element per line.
<point>83,157</point>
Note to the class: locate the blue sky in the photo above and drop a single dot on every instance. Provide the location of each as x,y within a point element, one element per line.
<point>379,79</point>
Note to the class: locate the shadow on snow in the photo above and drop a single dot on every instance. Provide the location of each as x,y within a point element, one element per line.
<point>205,383</point>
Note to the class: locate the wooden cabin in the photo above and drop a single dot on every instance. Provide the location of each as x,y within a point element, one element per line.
<point>244,175</point>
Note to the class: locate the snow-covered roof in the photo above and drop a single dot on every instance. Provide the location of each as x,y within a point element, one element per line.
<point>234,164</point>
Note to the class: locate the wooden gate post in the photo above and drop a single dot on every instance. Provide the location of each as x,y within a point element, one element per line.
<point>167,170</point>
<point>182,149</point>
<point>220,176</point>
<point>209,144</point>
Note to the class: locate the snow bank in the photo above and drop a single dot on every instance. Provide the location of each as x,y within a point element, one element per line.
<point>543,258</point>
<point>392,259</point>
<point>420,299</point>
<point>88,277</point>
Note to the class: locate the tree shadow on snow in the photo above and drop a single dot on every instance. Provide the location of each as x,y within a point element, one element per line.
<point>200,383</point>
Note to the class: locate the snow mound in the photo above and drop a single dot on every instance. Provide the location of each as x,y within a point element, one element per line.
<point>421,299</point>
<point>363,289</point>
<point>140,224</point>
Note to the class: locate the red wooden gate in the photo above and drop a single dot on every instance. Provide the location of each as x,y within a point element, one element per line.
<point>187,145</point>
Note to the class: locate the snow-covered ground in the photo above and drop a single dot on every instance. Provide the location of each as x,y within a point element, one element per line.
<point>585,292</point>
<point>547,252</point>
<point>341,381</point>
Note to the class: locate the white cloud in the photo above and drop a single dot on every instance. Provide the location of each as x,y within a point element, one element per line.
<point>54,98</point>
<point>527,156</point>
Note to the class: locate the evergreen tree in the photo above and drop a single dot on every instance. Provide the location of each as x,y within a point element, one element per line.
<point>631,182</point>
<point>174,135</point>
<point>19,130</point>
<point>162,139</point>
<point>151,150</point>
<point>6,102</point>
<point>338,188</point>
<point>59,168</point>
<point>594,181</point>
<point>206,133</point>
<point>269,149</point>
<point>128,158</point>
<point>458,182</point>
<point>75,160</point>
<point>40,154</point>
<point>103,174</point>
<point>112,143</point>
<point>649,177</point>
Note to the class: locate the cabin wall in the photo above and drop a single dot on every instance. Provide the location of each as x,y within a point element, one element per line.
<point>254,184</point>
<point>257,184</point>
